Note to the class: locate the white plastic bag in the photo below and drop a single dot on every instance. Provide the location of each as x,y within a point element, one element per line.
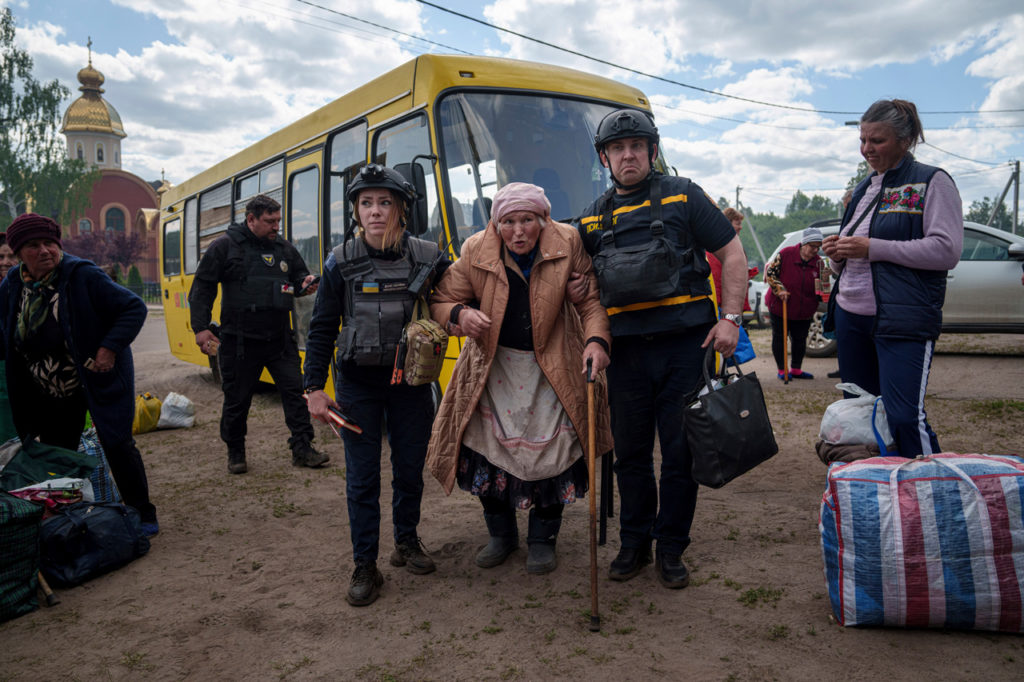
<point>177,412</point>
<point>848,421</point>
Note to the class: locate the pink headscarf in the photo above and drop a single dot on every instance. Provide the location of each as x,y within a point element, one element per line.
<point>520,196</point>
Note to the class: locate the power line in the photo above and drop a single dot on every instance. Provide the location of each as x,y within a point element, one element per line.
<point>808,128</point>
<point>381,26</point>
<point>988,163</point>
<point>679,83</point>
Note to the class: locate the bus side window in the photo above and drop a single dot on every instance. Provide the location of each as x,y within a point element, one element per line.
<point>172,247</point>
<point>191,236</point>
<point>214,214</point>
<point>399,143</point>
<point>347,152</point>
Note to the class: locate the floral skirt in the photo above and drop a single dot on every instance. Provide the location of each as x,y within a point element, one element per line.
<point>478,476</point>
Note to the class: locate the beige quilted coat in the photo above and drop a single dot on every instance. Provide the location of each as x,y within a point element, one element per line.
<point>559,330</point>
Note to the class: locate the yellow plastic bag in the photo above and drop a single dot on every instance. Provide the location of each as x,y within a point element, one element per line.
<point>147,413</point>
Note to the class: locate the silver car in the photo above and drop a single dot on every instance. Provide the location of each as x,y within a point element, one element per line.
<point>983,292</point>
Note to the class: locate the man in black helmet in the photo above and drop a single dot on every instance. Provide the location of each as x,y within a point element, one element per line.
<point>260,274</point>
<point>648,236</point>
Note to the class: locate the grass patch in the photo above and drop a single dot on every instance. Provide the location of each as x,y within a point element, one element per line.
<point>760,595</point>
<point>995,409</point>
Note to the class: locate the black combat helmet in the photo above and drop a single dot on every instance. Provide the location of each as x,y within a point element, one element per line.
<point>626,123</point>
<point>374,175</point>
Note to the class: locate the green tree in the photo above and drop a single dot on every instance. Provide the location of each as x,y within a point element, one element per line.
<point>34,168</point>
<point>980,211</point>
<point>134,278</point>
<point>863,170</point>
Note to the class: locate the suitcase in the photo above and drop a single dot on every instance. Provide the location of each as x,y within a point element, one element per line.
<point>936,541</point>
<point>19,555</point>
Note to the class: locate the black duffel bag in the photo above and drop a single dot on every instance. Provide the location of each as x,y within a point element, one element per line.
<point>88,539</point>
<point>727,428</point>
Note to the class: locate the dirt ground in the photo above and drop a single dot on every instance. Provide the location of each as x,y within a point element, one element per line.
<point>248,575</point>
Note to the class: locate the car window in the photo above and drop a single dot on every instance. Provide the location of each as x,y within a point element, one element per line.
<point>978,246</point>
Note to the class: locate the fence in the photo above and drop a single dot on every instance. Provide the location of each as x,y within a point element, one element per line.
<point>149,291</point>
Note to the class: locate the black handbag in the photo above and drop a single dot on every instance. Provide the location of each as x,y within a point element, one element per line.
<point>727,428</point>
<point>88,539</point>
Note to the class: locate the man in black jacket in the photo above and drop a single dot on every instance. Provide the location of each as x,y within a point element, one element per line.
<point>260,275</point>
<point>662,318</point>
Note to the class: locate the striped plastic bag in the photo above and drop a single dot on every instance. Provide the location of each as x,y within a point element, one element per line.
<point>936,541</point>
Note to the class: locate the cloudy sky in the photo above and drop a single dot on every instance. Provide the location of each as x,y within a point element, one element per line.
<point>196,80</point>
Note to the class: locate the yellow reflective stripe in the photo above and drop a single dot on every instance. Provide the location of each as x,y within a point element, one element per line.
<point>591,223</point>
<point>675,300</point>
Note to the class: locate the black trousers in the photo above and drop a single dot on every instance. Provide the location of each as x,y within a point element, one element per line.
<point>242,361</point>
<point>66,432</point>
<point>797,341</point>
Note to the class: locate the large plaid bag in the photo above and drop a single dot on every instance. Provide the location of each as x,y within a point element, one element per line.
<point>936,541</point>
<point>103,487</point>
<point>19,555</point>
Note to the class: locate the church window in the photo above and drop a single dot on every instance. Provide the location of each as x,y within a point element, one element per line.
<point>84,225</point>
<point>115,220</point>
<point>99,153</point>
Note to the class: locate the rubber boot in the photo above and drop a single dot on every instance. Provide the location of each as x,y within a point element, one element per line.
<point>504,539</point>
<point>541,539</point>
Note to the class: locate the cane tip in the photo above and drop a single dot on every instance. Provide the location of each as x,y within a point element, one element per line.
<point>595,623</point>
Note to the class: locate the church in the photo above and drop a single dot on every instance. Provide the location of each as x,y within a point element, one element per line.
<point>120,201</point>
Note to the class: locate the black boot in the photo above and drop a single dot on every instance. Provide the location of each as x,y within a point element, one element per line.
<point>541,539</point>
<point>236,461</point>
<point>304,455</point>
<point>629,562</point>
<point>364,587</point>
<point>504,539</point>
<point>672,572</point>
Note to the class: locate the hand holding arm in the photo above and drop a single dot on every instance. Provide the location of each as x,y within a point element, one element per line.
<point>577,287</point>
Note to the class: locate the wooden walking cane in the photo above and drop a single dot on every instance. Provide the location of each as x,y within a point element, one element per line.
<point>595,618</point>
<point>785,343</point>
<point>51,598</point>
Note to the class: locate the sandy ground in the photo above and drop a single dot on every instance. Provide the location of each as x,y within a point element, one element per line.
<point>247,578</point>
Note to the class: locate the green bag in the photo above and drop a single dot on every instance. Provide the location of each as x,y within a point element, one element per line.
<point>38,462</point>
<point>7,430</point>
<point>19,560</point>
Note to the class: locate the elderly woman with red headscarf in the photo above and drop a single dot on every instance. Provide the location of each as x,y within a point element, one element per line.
<point>510,425</point>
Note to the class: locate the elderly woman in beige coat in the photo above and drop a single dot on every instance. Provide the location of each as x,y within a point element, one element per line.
<point>510,426</point>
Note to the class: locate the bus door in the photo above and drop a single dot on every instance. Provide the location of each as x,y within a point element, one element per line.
<point>302,227</point>
<point>408,141</point>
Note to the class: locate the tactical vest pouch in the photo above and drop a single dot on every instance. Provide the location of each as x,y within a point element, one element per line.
<point>633,274</point>
<point>421,351</point>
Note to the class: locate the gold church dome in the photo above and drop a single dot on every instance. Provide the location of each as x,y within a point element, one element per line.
<point>90,112</point>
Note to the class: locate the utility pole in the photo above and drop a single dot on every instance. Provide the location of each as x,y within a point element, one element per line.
<point>1014,179</point>
<point>753,232</point>
<point>1016,194</point>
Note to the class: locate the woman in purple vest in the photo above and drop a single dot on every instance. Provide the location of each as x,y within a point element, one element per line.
<point>791,276</point>
<point>902,231</point>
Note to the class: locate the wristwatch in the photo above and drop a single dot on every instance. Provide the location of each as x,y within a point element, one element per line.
<point>735,318</point>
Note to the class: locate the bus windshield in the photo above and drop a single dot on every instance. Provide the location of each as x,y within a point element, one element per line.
<point>490,139</point>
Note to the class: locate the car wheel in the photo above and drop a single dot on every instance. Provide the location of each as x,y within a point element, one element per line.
<point>763,317</point>
<point>817,345</point>
<point>435,395</point>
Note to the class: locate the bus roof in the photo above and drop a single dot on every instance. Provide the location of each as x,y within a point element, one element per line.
<point>412,85</point>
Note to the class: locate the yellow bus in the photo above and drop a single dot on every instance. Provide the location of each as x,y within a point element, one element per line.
<point>470,124</point>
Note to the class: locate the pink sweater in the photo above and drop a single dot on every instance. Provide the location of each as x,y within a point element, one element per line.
<point>939,249</point>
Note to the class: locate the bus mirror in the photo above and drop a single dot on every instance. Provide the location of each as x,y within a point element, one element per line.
<point>413,172</point>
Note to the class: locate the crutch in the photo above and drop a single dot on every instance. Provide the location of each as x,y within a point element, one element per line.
<point>785,343</point>
<point>595,618</point>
